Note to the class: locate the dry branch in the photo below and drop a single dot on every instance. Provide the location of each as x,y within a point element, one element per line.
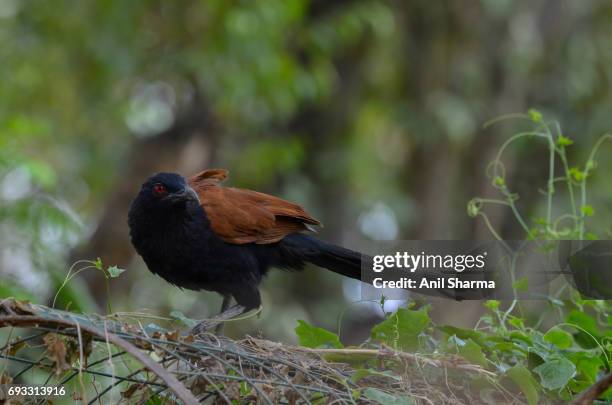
<point>387,353</point>
<point>211,368</point>
<point>33,320</point>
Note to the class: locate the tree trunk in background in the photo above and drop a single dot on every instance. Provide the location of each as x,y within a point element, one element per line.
<point>186,147</point>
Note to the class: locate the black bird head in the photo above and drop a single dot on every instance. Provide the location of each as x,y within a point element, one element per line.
<point>166,191</point>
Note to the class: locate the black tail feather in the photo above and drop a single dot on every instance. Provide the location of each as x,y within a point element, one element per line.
<point>335,258</point>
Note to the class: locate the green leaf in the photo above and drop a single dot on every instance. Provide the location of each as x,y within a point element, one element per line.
<point>520,336</point>
<point>155,400</point>
<point>559,338</point>
<point>318,398</point>
<point>587,210</point>
<point>499,181</point>
<point>576,174</point>
<point>312,336</point>
<point>564,141</point>
<point>114,271</point>
<point>517,322</point>
<point>401,329</point>
<point>98,263</point>
<point>535,115</point>
<point>493,305</point>
<point>383,398</point>
<point>584,321</point>
<point>555,372</point>
<point>472,352</point>
<point>245,389</point>
<point>526,383</point>
<point>464,334</point>
<point>587,364</point>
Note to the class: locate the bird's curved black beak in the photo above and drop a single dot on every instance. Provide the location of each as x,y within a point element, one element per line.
<point>186,194</point>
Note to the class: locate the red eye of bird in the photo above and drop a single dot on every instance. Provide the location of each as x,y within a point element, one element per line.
<point>159,189</point>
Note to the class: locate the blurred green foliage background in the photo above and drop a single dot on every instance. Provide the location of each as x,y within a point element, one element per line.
<point>368,113</point>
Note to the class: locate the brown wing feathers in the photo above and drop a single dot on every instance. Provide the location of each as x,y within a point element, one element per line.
<point>243,216</point>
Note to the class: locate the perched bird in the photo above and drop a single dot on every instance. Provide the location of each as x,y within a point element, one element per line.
<point>199,235</point>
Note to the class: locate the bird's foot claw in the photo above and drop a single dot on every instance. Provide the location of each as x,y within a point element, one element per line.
<point>202,328</point>
<point>218,321</point>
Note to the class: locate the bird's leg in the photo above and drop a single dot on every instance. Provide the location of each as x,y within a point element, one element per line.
<point>247,298</point>
<point>229,313</point>
<point>227,300</point>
